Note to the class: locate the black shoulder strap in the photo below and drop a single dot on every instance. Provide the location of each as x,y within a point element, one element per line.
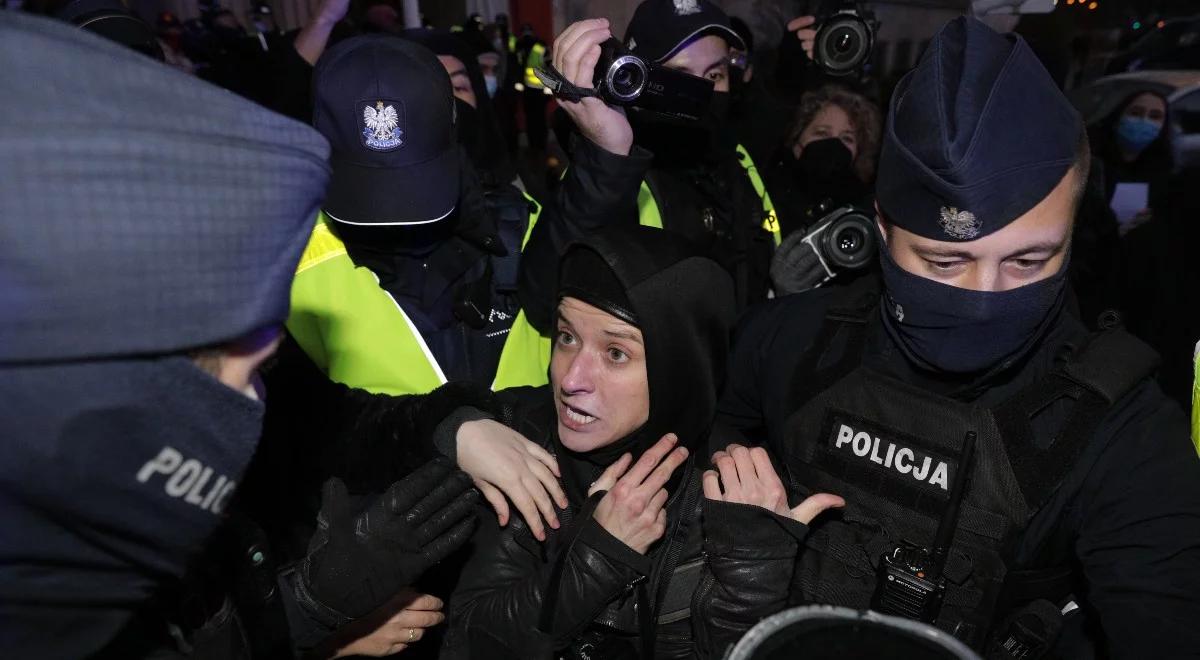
<point>844,329</point>
<point>511,211</point>
<point>1111,364</point>
<point>1102,371</point>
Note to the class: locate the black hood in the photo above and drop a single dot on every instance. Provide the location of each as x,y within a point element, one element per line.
<point>487,148</point>
<point>683,303</point>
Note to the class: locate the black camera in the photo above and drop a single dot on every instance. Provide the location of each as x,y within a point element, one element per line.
<point>622,78</point>
<point>844,40</point>
<point>844,239</point>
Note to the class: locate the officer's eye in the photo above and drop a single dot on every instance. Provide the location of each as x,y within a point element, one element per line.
<point>617,355</point>
<point>1028,265</point>
<point>716,76</point>
<point>944,267</point>
<point>565,338</point>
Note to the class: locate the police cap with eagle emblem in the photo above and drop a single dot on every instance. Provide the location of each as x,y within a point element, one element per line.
<point>387,108</point>
<point>661,28</point>
<point>142,211</point>
<point>976,136</point>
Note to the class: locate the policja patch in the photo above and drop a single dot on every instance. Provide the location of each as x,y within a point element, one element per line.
<point>902,458</point>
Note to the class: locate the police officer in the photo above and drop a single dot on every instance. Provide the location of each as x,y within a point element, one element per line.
<point>701,182</point>
<point>145,218</point>
<point>1080,492</point>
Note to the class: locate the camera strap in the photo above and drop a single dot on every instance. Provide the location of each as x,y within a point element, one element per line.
<point>560,86</point>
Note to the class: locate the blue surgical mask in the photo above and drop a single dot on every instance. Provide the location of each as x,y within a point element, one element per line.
<point>492,85</point>
<point>1134,134</point>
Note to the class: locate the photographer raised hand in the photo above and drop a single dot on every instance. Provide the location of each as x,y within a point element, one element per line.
<point>576,53</point>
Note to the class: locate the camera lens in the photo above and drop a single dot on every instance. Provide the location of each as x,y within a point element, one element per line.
<point>843,44</point>
<point>626,78</point>
<point>850,240</point>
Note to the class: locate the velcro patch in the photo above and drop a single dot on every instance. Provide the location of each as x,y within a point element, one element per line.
<point>899,466</point>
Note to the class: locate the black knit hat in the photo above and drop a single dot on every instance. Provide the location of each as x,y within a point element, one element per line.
<point>586,276</point>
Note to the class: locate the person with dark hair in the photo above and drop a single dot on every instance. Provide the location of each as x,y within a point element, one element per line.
<point>477,126</point>
<point>1131,145</point>
<point>829,153</point>
<point>1026,476</point>
<point>826,164</point>
<point>642,329</point>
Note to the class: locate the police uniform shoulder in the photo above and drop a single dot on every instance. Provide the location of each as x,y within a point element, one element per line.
<point>795,318</point>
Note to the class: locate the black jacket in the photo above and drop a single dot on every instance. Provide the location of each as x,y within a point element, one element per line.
<point>1127,516</point>
<point>504,596</point>
<point>574,595</point>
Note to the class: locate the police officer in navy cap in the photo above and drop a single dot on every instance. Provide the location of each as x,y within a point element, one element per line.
<point>1008,476</point>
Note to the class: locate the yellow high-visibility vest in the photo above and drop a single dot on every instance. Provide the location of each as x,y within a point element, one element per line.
<point>537,55</point>
<point>650,216</point>
<point>358,335</point>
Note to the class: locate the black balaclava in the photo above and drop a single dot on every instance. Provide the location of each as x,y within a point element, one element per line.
<point>486,146</point>
<point>949,329</point>
<point>683,304</point>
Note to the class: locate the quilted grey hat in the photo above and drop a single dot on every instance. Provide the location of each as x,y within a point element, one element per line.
<point>142,210</point>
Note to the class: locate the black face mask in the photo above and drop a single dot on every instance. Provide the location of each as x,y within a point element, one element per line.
<point>948,329</point>
<point>825,159</point>
<point>466,126</point>
<point>680,142</point>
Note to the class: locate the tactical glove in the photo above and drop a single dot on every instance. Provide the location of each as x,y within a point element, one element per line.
<point>796,266</point>
<point>356,562</point>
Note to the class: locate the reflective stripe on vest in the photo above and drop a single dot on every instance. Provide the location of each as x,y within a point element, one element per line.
<point>649,215</point>
<point>533,61</point>
<point>358,335</point>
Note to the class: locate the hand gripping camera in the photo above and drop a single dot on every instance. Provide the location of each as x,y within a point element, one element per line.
<point>909,581</point>
<point>624,79</point>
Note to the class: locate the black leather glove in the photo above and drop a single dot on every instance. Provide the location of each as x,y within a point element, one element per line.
<point>357,562</point>
<point>796,266</point>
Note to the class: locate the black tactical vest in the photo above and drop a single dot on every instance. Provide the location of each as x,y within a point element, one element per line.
<point>893,450</point>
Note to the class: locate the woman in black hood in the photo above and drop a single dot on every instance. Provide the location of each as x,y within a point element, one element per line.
<point>640,351</point>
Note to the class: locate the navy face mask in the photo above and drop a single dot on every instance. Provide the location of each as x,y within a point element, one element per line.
<point>954,330</point>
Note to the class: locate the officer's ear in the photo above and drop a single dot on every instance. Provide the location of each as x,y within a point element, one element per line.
<point>884,227</point>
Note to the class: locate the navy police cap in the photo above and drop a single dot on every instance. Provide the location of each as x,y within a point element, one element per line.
<point>387,108</point>
<point>661,28</point>
<point>977,135</point>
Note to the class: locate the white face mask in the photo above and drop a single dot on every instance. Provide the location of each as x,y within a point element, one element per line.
<point>492,85</point>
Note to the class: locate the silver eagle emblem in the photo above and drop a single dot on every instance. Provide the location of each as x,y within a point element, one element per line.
<point>960,224</point>
<point>381,127</point>
<point>686,7</point>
